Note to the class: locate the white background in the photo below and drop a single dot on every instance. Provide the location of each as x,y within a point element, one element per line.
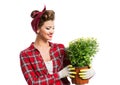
<point>74,18</point>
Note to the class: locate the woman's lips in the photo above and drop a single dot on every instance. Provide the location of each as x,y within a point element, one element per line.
<point>50,35</point>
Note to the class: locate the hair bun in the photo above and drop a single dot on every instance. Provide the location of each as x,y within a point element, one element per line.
<point>34,13</point>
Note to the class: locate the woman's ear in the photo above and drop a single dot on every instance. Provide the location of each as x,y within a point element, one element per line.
<point>38,31</point>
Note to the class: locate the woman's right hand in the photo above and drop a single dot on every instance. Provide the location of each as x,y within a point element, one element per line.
<point>67,71</point>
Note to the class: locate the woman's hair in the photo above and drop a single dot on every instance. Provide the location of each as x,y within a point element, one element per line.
<point>46,16</point>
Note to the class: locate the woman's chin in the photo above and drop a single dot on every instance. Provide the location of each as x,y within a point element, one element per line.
<point>49,39</point>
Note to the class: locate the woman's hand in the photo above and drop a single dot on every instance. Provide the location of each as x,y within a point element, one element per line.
<point>86,73</point>
<point>68,71</point>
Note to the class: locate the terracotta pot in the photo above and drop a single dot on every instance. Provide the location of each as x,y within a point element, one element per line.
<point>77,79</point>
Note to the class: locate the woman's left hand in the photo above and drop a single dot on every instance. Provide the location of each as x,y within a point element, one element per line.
<point>86,73</point>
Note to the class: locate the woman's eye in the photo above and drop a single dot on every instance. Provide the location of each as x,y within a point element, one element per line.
<point>48,28</point>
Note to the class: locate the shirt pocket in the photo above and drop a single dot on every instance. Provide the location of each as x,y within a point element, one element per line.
<point>38,65</point>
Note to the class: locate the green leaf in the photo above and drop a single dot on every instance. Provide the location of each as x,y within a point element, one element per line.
<point>81,51</point>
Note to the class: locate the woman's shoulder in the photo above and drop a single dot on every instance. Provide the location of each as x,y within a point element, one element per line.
<point>27,49</point>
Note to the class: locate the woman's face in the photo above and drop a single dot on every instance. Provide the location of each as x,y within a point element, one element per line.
<point>46,31</point>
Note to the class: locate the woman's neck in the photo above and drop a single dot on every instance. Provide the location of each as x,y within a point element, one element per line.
<point>41,43</point>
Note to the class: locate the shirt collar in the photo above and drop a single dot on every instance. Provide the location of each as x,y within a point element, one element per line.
<point>32,47</point>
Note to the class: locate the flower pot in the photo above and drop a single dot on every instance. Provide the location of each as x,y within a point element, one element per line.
<point>77,79</point>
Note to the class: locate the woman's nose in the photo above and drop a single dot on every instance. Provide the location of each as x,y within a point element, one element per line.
<point>52,31</point>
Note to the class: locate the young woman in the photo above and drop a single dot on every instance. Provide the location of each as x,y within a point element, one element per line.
<point>44,62</point>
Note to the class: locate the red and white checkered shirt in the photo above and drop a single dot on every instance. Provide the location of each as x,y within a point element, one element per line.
<point>34,69</point>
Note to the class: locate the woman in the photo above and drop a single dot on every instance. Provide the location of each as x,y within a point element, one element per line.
<point>44,62</point>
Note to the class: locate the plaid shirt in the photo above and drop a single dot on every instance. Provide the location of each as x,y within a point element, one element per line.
<point>34,69</point>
